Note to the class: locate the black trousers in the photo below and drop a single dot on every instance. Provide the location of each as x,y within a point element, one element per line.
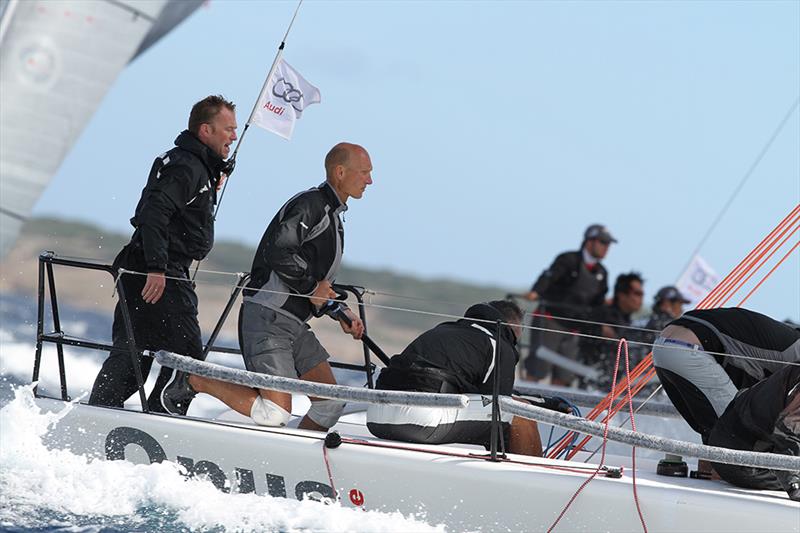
<point>169,324</point>
<point>761,418</point>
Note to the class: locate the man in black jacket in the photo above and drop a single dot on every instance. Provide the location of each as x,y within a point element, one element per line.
<point>733,375</point>
<point>612,322</point>
<point>291,278</point>
<point>573,287</point>
<point>458,357</point>
<point>174,225</point>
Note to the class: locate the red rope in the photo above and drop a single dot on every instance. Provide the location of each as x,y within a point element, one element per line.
<point>605,441</point>
<point>405,447</point>
<point>715,296</point>
<point>708,301</point>
<point>328,468</point>
<point>719,296</point>
<point>633,426</point>
<point>768,274</point>
<point>725,290</point>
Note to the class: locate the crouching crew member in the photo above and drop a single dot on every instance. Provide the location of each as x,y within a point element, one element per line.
<point>732,375</point>
<point>763,418</point>
<point>174,223</point>
<point>292,275</point>
<point>457,358</point>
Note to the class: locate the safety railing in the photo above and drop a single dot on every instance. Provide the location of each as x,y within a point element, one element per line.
<point>58,337</point>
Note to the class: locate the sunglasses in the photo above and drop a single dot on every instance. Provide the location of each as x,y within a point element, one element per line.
<point>636,293</point>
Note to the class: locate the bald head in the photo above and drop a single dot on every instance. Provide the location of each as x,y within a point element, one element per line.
<point>341,155</point>
<point>348,169</point>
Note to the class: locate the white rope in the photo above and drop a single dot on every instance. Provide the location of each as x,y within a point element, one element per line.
<point>316,390</point>
<point>653,442</point>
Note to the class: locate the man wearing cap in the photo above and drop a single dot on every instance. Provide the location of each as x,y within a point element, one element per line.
<point>573,287</point>
<point>667,306</point>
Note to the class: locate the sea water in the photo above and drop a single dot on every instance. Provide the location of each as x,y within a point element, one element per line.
<point>45,489</point>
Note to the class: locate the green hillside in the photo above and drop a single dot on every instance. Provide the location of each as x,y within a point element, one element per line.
<point>433,296</point>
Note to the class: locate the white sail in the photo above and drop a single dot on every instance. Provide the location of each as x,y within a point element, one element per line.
<point>57,61</point>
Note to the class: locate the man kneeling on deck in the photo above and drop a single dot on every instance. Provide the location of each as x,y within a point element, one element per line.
<point>457,358</point>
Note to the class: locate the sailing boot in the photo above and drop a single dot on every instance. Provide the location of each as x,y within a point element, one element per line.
<point>177,394</point>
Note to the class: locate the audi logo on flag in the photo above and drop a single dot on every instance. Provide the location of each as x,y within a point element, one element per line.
<point>286,92</point>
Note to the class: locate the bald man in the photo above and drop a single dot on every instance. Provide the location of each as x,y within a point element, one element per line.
<point>295,265</point>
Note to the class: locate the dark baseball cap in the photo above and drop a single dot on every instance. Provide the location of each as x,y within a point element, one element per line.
<point>671,293</point>
<point>599,232</point>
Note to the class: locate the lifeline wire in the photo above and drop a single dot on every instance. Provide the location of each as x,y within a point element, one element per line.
<point>458,317</point>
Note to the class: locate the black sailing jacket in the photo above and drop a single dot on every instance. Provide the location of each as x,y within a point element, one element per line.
<point>174,218</point>
<point>568,288</point>
<point>302,245</point>
<point>464,352</point>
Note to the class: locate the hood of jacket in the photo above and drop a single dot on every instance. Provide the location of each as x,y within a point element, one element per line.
<point>484,311</point>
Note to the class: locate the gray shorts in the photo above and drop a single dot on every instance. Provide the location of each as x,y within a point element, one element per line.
<point>275,344</point>
<point>697,367</point>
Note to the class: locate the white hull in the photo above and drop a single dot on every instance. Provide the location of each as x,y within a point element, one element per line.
<point>441,484</point>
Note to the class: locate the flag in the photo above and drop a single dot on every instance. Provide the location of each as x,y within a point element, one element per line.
<point>697,280</point>
<point>283,100</point>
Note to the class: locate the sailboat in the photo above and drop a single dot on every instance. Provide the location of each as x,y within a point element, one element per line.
<point>461,486</point>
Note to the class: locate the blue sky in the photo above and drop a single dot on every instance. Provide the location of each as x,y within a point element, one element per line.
<point>498,130</point>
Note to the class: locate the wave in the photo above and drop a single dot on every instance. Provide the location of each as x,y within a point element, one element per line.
<point>54,489</point>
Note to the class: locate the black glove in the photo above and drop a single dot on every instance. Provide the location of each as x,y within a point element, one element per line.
<point>228,166</point>
<point>554,403</point>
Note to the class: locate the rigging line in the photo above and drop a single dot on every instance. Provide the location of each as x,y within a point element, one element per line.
<point>582,321</point>
<point>492,322</point>
<point>769,274</point>
<point>724,294</point>
<point>707,301</point>
<point>624,422</point>
<point>609,407</point>
<point>531,313</point>
<point>762,261</point>
<point>744,179</point>
<point>11,214</point>
<point>720,294</point>
<point>372,292</point>
<point>725,291</point>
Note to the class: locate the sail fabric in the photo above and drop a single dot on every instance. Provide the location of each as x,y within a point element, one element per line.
<point>57,62</point>
<point>283,100</point>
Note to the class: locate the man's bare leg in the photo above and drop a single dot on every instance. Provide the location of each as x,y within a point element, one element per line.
<point>237,397</point>
<point>321,373</point>
<point>241,398</point>
<point>523,437</point>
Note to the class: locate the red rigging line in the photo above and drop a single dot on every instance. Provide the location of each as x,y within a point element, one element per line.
<point>765,259</point>
<point>719,296</point>
<point>712,299</point>
<point>769,274</point>
<point>725,290</point>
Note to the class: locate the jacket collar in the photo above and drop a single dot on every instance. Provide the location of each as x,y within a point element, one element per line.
<point>189,142</point>
<point>332,197</point>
